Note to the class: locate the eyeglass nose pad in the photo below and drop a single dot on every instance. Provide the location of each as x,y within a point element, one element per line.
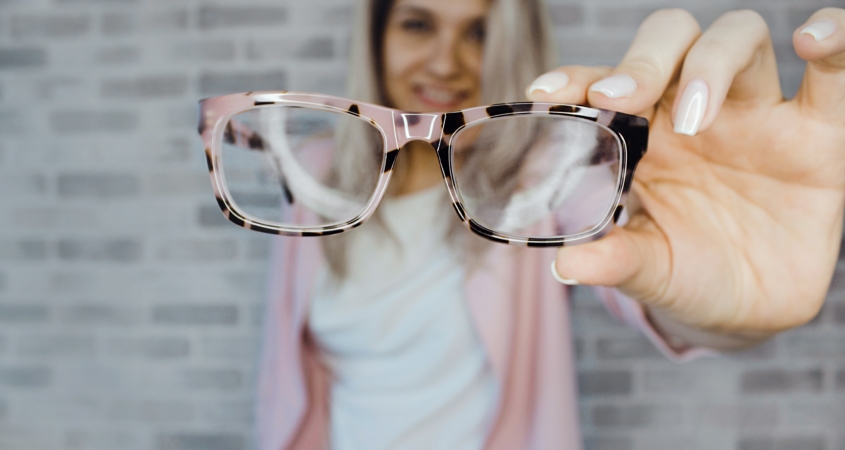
<point>419,126</point>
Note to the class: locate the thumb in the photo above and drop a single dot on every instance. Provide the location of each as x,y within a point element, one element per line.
<point>821,42</point>
<point>636,259</point>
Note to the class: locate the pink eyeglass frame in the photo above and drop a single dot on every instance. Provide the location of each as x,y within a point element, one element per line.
<point>397,129</point>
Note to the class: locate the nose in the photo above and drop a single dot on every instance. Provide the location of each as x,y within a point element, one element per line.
<point>444,62</point>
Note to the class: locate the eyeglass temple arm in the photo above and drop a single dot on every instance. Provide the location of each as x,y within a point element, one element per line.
<point>242,136</point>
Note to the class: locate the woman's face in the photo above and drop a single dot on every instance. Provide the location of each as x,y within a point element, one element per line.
<point>432,54</point>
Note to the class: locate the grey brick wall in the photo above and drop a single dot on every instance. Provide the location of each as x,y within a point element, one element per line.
<point>130,310</point>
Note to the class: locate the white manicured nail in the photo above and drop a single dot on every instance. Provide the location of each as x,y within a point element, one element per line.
<point>566,281</point>
<point>548,83</point>
<point>691,108</point>
<point>820,29</point>
<point>617,86</point>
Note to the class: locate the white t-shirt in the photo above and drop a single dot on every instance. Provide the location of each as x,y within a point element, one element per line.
<point>409,371</point>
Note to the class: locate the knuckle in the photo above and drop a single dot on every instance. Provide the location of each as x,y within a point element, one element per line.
<point>649,67</point>
<point>712,46</point>
<point>677,16</point>
<point>830,13</point>
<point>583,70</point>
<point>573,68</point>
<point>741,33</point>
<point>709,49</point>
<point>748,19</point>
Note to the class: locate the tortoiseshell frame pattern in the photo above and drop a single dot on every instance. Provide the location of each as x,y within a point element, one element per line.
<point>398,128</point>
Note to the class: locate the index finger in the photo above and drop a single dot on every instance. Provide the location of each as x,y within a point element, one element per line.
<point>651,64</point>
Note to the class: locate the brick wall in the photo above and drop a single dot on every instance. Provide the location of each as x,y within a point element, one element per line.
<point>129,311</point>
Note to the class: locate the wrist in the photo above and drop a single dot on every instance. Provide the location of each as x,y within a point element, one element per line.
<point>681,337</point>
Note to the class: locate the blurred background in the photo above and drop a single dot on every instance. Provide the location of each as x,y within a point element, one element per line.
<point>130,310</point>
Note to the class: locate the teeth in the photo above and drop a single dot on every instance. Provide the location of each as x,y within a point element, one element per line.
<point>439,95</point>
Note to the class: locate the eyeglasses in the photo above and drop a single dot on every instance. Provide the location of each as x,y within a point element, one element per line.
<point>532,174</point>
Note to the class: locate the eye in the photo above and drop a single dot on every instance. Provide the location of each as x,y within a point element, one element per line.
<point>416,25</point>
<point>477,32</point>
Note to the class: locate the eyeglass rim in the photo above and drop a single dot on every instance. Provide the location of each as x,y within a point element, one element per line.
<point>601,228</point>
<point>214,113</point>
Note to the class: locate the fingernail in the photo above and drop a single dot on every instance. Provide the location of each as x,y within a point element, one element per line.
<point>617,86</point>
<point>548,83</point>
<point>691,108</point>
<point>820,29</point>
<point>566,281</point>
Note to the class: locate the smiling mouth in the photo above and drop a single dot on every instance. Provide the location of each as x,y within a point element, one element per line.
<point>443,98</point>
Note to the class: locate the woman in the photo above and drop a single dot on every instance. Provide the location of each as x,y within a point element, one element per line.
<point>404,346</point>
<point>447,351</point>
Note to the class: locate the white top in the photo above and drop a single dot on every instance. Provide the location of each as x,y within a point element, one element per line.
<point>409,370</point>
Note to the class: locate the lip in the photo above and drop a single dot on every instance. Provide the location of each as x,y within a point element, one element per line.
<point>458,97</point>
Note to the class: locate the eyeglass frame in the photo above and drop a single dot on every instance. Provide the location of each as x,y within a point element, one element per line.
<point>215,126</point>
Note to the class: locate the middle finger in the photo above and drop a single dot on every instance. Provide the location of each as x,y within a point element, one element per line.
<point>733,59</point>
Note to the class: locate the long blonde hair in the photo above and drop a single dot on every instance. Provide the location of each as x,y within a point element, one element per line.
<point>518,47</point>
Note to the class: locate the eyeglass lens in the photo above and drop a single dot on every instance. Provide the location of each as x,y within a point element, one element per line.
<point>309,168</point>
<point>513,172</point>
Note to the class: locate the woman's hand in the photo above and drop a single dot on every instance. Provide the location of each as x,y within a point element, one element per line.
<point>741,193</point>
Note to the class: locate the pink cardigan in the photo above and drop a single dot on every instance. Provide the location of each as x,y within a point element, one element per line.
<point>520,313</point>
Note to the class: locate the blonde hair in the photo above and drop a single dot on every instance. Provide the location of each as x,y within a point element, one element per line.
<point>518,47</point>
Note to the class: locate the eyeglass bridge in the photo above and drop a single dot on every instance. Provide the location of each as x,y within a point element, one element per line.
<point>418,126</point>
